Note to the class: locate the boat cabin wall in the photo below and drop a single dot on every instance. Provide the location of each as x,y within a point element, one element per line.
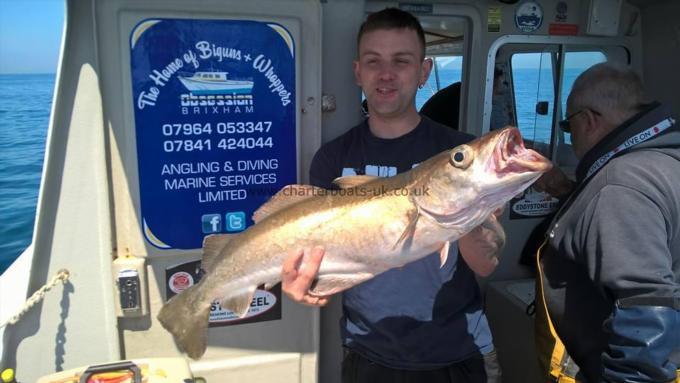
<point>660,32</point>
<point>90,218</point>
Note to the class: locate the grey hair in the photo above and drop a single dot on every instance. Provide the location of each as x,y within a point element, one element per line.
<point>614,91</point>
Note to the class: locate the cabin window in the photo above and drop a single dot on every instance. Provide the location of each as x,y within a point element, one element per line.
<point>534,84</point>
<point>445,44</point>
<point>575,63</point>
<point>446,70</point>
<point>534,94</point>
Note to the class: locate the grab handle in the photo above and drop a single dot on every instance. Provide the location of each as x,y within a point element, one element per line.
<point>126,365</point>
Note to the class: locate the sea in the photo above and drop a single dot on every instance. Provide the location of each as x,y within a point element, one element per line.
<point>24,116</point>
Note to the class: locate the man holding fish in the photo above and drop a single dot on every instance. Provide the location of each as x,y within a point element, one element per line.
<point>423,322</point>
<point>413,311</point>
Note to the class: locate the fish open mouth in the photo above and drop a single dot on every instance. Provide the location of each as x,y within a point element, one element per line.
<point>510,155</point>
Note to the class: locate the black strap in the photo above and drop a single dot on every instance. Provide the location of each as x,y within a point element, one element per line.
<point>672,302</point>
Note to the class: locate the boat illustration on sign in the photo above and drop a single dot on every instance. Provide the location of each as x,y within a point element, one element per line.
<point>215,83</point>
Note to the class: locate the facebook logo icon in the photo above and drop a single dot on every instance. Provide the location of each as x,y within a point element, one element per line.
<point>212,223</point>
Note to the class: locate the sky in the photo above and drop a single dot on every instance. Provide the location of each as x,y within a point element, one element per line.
<point>30,35</point>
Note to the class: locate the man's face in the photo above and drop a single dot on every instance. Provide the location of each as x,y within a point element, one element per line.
<point>389,70</point>
<point>580,131</point>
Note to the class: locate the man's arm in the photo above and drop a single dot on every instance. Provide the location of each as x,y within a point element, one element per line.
<point>555,183</point>
<point>643,336</point>
<point>627,255</point>
<point>481,247</point>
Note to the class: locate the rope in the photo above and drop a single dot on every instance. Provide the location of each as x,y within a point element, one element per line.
<point>61,276</point>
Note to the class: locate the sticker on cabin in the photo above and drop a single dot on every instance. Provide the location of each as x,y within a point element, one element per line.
<point>533,204</point>
<point>528,16</point>
<point>416,8</point>
<point>561,9</point>
<point>180,281</point>
<point>559,29</point>
<point>215,124</point>
<point>265,306</point>
<point>493,18</point>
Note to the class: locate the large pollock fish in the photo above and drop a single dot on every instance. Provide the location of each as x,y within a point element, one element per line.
<point>366,228</point>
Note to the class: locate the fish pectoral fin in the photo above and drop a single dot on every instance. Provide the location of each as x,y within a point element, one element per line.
<point>348,182</point>
<point>330,284</point>
<point>287,196</point>
<point>212,247</point>
<point>410,228</point>
<point>444,253</point>
<point>239,304</point>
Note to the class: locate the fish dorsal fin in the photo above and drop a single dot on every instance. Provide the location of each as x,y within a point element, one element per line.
<point>241,303</point>
<point>212,247</point>
<point>287,196</point>
<point>444,253</point>
<point>348,182</point>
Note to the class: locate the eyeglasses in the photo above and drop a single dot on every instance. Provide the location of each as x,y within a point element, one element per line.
<point>564,124</point>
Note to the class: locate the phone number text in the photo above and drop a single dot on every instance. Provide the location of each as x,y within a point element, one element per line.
<point>199,129</point>
<point>174,146</point>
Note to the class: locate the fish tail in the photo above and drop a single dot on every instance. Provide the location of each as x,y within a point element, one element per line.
<point>186,318</point>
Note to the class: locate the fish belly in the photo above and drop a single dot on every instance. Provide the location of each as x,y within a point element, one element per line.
<point>360,241</point>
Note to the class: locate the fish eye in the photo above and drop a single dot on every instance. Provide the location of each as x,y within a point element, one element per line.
<point>462,156</point>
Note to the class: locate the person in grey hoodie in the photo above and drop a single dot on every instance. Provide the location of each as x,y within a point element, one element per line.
<point>610,266</point>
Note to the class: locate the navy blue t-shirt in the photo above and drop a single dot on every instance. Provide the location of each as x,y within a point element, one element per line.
<point>419,316</point>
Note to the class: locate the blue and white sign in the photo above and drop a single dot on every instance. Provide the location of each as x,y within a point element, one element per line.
<point>528,16</point>
<point>215,116</point>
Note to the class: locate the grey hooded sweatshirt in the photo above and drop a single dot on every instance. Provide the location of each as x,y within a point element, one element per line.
<point>611,263</point>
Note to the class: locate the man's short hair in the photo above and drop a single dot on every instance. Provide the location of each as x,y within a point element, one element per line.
<point>612,90</point>
<point>392,18</point>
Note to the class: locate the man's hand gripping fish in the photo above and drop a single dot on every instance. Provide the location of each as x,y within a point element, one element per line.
<point>371,225</point>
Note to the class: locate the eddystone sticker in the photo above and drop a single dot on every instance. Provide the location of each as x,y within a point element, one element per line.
<point>533,204</point>
<point>215,116</point>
